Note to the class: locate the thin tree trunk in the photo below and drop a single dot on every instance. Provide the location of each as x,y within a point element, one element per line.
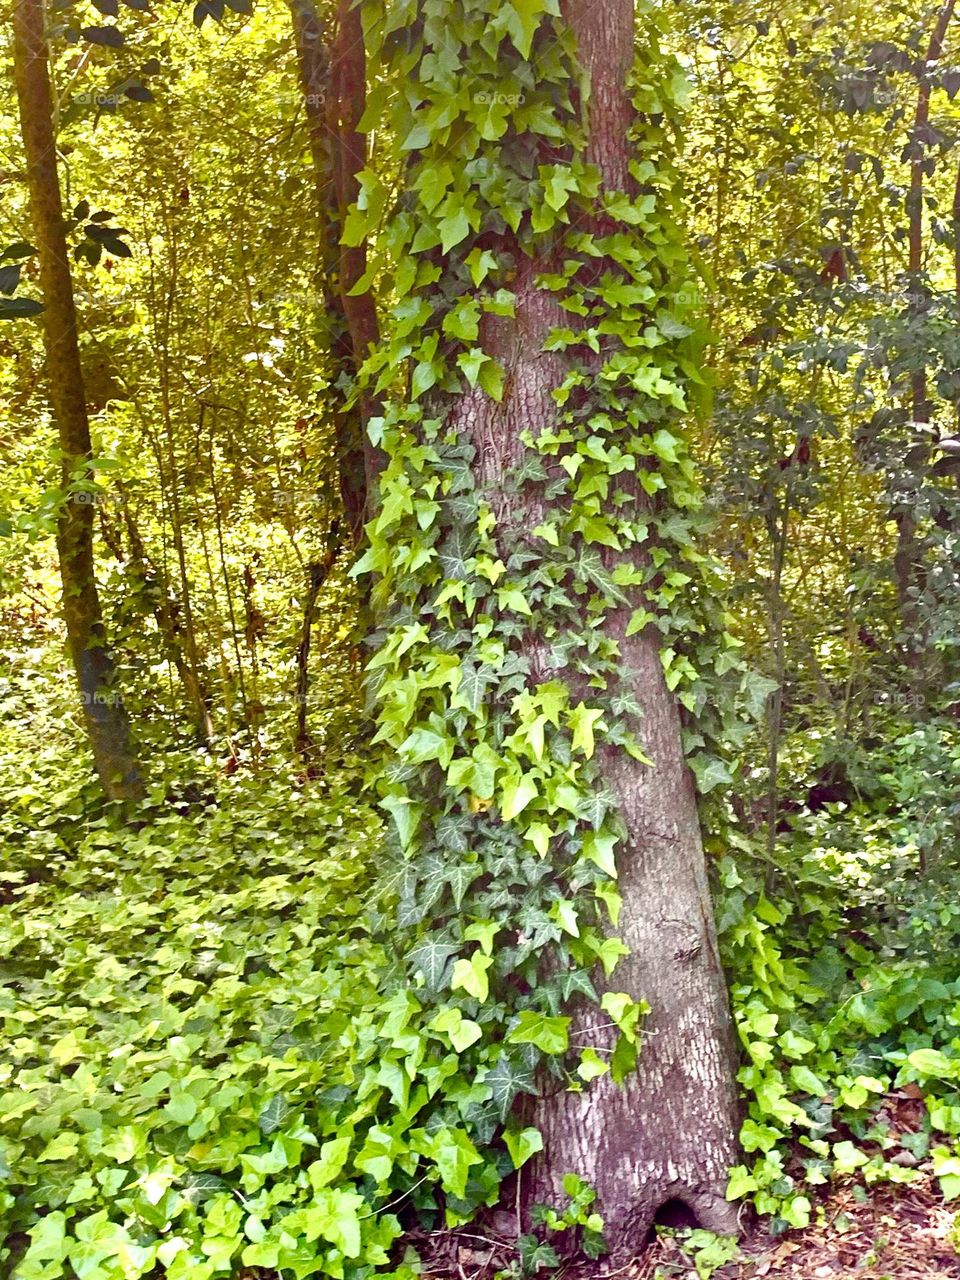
<point>669,1131</point>
<point>778,534</point>
<point>318,572</point>
<point>348,83</point>
<point>908,564</point>
<point>104,715</point>
<point>225,574</point>
<point>334,88</point>
<point>219,636</point>
<point>165,612</point>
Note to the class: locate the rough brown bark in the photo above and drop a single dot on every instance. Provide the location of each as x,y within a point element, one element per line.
<point>103,713</point>
<point>669,1132</point>
<point>314,68</point>
<point>334,91</point>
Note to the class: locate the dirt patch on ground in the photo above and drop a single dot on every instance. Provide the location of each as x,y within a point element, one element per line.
<point>889,1233</point>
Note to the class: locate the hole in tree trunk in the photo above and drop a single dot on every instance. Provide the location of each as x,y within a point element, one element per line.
<point>674,1213</point>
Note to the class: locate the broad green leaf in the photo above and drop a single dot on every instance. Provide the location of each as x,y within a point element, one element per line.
<point>506,1079</point>
<point>591,1065</point>
<point>471,975</point>
<point>432,958</point>
<point>454,1155</point>
<point>599,847</point>
<point>549,1034</point>
<point>522,17</point>
<point>583,720</point>
<point>515,795</point>
<point>274,1114</point>
<point>931,1062</point>
<point>522,1144</point>
<point>330,1161</point>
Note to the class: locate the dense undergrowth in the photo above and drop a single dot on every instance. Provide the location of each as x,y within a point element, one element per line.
<point>210,1067</point>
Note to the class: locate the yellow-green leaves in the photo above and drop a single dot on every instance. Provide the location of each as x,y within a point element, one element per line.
<point>454,227</point>
<point>406,815</point>
<point>334,1216</point>
<point>515,795</point>
<point>482,370</point>
<point>591,1065</point>
<point>550,1034</point>
<point>471,975</point>
<point>461,1031</point>
<point>598,846</point>
<point>453,1154</point>
<point>522,1144</point>
<point>503,686</point>
<point>625,1011</point>
<point>583,720</point>
<point>331,1160</point>
<point>476,773</point>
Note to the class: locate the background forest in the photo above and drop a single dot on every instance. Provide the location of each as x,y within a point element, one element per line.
<point>203,1068</point>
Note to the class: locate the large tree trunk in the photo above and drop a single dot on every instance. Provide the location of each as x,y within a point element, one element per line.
<point>105,718</point>
<point>502,600</point>
<point>668,1133</point>
<point>315,82</point>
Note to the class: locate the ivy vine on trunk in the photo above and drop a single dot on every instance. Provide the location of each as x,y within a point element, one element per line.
<point>547,611</point>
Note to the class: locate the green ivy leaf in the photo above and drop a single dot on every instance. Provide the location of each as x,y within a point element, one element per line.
<point>515,795</point>
<point>549,1034</point>
<point>454,1155</point>
<point>431,958</point>
<point>506,1079</point>
<point>471,975</point>
<point>521,19</point>
<point>522,1144</point>
<point>273,1115</point>
<point>330,1162</point>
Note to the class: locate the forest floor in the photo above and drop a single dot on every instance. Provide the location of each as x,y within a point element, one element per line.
<point>886,1232</point>
<point>882,1233</point>
<point>889,1233</point>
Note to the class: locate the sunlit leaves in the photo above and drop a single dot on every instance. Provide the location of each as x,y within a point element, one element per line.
<point>461,1031</point>
<point>472,976</point>
<point>453,1154</point>
<point>522,1144</point>
<point>521,19</point>
<point>549,1034</point>
<point>515,795</point>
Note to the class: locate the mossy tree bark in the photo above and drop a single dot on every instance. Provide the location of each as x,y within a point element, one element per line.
<point>103,712</point>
